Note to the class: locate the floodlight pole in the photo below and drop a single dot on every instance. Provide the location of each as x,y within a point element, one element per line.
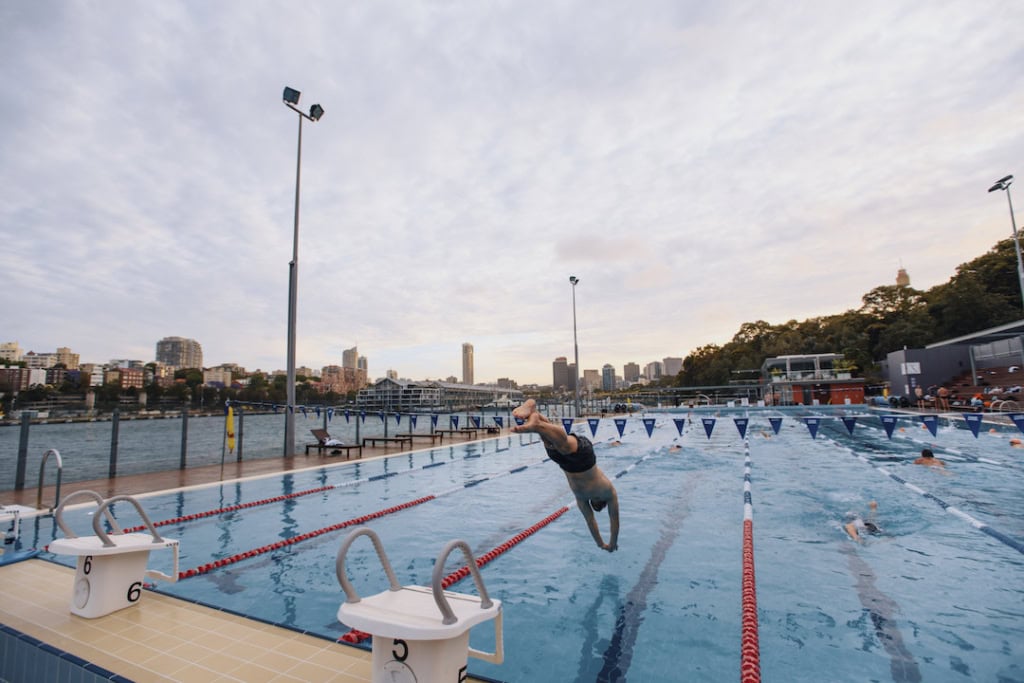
<point>291,98</point>
<point>573,280</point>
<point>1004,184</point>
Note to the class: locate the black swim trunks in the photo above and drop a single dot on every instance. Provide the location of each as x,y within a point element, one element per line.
<point>580,461</point>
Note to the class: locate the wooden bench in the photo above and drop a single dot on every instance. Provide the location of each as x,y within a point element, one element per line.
<point>434,436</point>
<point>468,432</point>
<point>336,449</point>
<point>372,440</point>
<point>322,437</point>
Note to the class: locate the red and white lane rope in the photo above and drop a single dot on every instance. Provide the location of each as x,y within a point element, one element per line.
<point>750,653</point>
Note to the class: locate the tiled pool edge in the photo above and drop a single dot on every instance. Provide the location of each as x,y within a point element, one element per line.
<point>25,659</point>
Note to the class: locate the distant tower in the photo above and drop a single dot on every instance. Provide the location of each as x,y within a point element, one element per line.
<point>467,363</point>
<point>902,279</point>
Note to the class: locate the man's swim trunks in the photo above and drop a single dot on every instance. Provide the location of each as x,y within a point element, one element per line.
<point>580,461</point>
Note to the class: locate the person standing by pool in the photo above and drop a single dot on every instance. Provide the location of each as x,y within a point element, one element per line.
<point>928,459</point>
<point>575,455</point>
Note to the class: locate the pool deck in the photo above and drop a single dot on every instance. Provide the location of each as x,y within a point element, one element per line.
<point>162,638</point>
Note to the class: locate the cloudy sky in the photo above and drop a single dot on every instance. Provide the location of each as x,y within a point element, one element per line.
<point>697,165</point>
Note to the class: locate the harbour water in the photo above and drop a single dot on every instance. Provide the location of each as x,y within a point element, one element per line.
<point>153,445</point>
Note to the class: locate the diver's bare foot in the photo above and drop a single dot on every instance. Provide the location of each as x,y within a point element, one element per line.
<point>524,411</point>
<point>530,424</point>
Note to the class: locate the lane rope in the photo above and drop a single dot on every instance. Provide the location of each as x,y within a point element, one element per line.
<point>255,552</point>
<point>750,653</point>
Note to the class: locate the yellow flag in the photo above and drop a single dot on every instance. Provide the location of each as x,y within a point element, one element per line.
<point>231,429</point>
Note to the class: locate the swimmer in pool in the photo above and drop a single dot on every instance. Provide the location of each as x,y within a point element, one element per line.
<point>928,459</point>
<point>858,527</point>
<point>575,455</point>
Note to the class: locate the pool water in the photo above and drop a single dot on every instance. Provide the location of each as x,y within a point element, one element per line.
<point>932,598</point>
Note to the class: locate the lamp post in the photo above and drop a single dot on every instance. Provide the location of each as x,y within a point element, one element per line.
<point>573,280</point>
<point>291,99</point>
<point>1004,184</point>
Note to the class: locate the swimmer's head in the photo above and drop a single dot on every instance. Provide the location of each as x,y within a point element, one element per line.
<point>872,528</point>
<point>927,453</point>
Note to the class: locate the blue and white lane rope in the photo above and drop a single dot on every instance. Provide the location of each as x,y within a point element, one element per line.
<point>956,512</point>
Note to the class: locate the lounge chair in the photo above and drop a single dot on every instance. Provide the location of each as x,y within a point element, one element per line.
<point>326,442</point>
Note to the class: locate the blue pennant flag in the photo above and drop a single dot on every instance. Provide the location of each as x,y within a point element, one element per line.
<point>455,421</point>
<point>649,425</point>
<point>330,414</point>
<point>812,425</point>
<point>500,421</point>
<point>276,407</point>
<point>412,422</point>
<point>1018,419</point>
<point>303,409</point>
<point>776,423</point>
<point>680,424</point>
<point>317,411</point>
<point>973,421</point>
<point>362,416</point>
<point>381,416</point>
<point>519,421</point>
<point>593,422</point>
<point>291,409</point>
<point>433,421</point>
<point>931,422</point>
<point>889,422</point>
<point>398,418</point>
<point>476,421</point>
<point>347,416</point>
<point>741,425</point>
<point>709,425</point>
<point>567,424</point>
<point>620,424</point>
<point>850,423</point>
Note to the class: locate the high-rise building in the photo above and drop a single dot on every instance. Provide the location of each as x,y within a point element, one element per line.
<point>467,363</point>
<point>574,377</point>
<point>69,359</point>
<point>608,377</point>
<point>350,357</point>
<point>671,366</point>
<point>591,380</point>
<point>560,374</point>
<point>653,370</point>
<point>631,372</point>
<point>10,351</point>
<point>179,352</point>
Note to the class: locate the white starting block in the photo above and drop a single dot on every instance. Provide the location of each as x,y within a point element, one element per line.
<point>420,635</point>
<point>110,568</point>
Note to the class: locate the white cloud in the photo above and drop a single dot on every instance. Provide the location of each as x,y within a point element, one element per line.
<point>697,166</point>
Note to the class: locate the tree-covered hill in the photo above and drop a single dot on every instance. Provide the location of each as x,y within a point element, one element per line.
<point>982,293</point>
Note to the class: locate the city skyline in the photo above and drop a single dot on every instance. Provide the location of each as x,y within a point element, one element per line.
<point>695,165</point>
<point>11,350</point>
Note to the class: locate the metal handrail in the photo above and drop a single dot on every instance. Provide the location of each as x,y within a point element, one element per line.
<point>339,564</point>
<point>42,470</point>
<point>107,543</point>
<point>438,577</point>
<point>59,514</point>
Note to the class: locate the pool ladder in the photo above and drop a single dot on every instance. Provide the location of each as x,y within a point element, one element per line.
<point>42,470</point>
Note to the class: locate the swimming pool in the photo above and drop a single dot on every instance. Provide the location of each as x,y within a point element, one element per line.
<point>931,599</point>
